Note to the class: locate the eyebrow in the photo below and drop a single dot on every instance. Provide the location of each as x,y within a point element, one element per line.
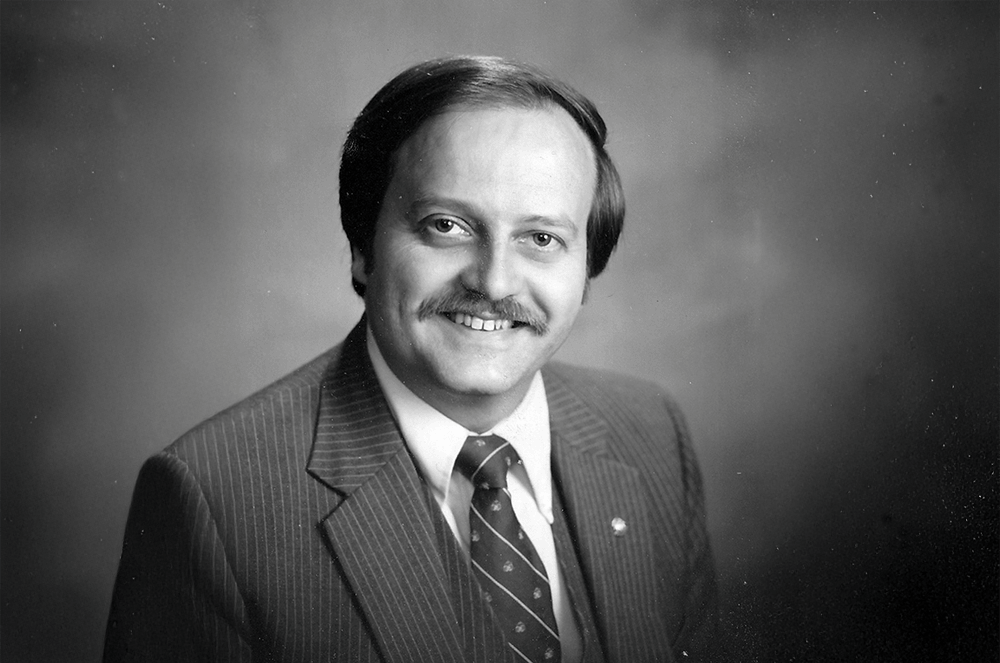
<point>471,211</point>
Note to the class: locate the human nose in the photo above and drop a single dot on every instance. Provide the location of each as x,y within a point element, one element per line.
<point>494,272</point>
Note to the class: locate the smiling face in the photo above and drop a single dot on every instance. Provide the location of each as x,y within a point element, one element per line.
<point>480,256</point>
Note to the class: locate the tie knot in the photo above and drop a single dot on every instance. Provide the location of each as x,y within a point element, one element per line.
<point>484,460</point>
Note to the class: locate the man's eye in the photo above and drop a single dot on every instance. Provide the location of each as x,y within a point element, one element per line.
<point>542,239</point>
<point>445,226</point>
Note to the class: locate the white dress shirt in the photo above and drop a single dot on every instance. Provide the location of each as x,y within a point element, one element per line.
<point>434,441</point>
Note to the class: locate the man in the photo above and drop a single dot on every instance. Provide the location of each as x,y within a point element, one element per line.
<point>433,489</point>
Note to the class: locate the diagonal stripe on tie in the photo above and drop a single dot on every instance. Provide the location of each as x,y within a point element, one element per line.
<point>540,574</point>
<point>514,598</point>
<point>475,474</point>
<point>510,573</point>
<point>519,653</point>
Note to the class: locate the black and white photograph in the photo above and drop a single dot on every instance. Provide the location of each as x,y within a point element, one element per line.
<point>500,331</point>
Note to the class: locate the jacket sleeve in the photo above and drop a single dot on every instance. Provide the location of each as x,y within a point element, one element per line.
<point>175,597</point>
<point>699,636</point>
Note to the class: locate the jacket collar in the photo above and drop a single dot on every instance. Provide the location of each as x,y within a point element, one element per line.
<point>355,433</point>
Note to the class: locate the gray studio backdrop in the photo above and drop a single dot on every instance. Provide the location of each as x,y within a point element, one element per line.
<point>810,265</point>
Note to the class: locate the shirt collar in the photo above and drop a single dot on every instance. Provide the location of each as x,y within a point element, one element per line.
<point>434,440</point>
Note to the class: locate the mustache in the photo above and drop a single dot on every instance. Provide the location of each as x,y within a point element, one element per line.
<point>474,303</point>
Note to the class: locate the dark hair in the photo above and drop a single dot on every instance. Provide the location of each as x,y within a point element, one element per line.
<point>428,89</point>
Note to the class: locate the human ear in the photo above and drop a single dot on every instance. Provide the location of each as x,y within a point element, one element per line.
<point>358,272</point>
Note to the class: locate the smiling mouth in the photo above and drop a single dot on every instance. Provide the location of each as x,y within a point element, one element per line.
<point>481,324</point>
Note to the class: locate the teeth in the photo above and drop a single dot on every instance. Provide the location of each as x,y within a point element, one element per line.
<point>481,324</point>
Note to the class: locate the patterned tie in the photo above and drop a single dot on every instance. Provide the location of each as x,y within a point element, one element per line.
<point>508,568</point>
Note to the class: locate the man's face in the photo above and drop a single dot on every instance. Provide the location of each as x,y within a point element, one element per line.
<point>480,251</point>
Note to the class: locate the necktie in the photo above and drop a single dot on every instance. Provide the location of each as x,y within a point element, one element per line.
<point>510,573</point>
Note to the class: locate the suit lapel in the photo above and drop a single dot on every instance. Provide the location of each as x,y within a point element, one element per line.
<point>381,532</point>
<point>599,493</point>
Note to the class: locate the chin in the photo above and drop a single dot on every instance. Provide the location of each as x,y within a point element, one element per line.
<point>478,381</point>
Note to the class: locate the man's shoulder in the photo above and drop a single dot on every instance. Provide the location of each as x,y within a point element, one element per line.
<point>282,412</point>
<point>599,378</point>
<point>605,390</point>
<point>641,421</point>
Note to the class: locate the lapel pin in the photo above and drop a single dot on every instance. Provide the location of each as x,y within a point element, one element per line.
<point>618,526</point>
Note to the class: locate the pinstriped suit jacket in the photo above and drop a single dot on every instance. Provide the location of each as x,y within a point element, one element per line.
<point>295,527</point>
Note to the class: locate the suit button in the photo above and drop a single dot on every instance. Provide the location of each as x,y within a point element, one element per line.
<point>618,526</point>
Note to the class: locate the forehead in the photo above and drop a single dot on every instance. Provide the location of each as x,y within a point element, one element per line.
<point>487,143</point>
